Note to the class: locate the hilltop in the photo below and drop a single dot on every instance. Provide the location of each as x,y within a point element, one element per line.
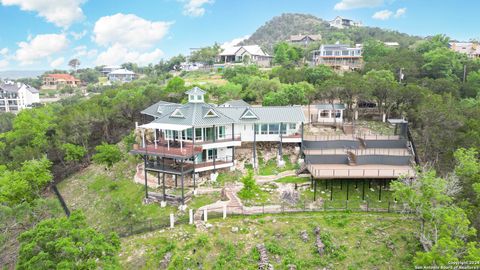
<point>280,28</point>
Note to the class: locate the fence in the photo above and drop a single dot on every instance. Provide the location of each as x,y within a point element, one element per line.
<point>284,208</point>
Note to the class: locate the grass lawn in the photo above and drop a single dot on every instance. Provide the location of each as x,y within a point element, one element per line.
<point>201,77</point>
<point>227,177</point>
<point>110,198</point>
<point>293,180</point>
<point>270,167</point>
<point>265,195</point>
<point>201,200</point>
<point>377,127</point>
<point>353,241</point>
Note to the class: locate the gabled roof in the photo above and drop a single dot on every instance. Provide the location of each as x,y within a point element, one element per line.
<point>158,108</point>
<point>13,87</point>
<point>251,49</point>
<point>267,114</point>
<point>122,71</point>
<point>195,91</point>
<point>61,76</point>
<point>248,114</point>
<point>301,37</point>
<point>194,114</point>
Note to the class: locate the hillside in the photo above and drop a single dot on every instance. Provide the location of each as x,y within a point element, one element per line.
<point>280,28</point>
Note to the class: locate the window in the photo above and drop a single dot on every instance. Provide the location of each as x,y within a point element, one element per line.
<point>211,154</point>
<point>283,128</point>
<point>198,134</point>
<point>177,113</point>
<point>189,134</point>
<point>292,126</point>
<point>249,115</point>
<point>211,113</point>
<point>273,128</point>
<point>324,113</point>
<point>264,129</point>
<point>168,134</point>
<point>221,132</point>
<point>199,97</point>
<point>338,113</point>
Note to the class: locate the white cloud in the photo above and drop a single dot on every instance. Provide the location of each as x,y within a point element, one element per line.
<point>353,4</point>
<point>57,62</point>
<point>129,30</point>
<point>117,54</point>
<point>400,12</point>
<point>233,42</point>
<point>83,51</point>
<point>382,15</point>
<point>194,8</point>
<point>39,47</point>
<point>3,63</point>
<point>62,13</point>
<point>4,51</point>
<point>78,35</point>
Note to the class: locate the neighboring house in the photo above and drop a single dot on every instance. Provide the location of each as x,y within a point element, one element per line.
<point>15,97</point>
<point>121,75</point>
<point>328,113</point>
<point>392,44</point>
<point>339,56</point>
<point>342,23</point>
<point>108,69</point>
<point>188,66</point>
<point>235,103</point>
<point>251,54</point>
<point>197,137</point>
<point>304,39</point>
<point>471,49</point>
<point>55,81</point>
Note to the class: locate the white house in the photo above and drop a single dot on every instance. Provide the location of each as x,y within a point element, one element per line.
<point>107,69</point>
<point>121,75</point>
<point>245,54</point>
<point>341,23</point>
<point>15,97</point>
<point>330,114</point>
<point>196,137</point>
<point>339,56</point>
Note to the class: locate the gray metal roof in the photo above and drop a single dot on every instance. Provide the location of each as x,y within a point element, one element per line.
<point>195,91</point>
<point>329,106</point>
<point>154,109</point>
<point>267,114</point>
<point>13,87</point>
<point>194,114</point>
<point>236,103</point>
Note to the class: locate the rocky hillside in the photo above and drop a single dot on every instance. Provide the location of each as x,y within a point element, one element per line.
<point>280,28</point>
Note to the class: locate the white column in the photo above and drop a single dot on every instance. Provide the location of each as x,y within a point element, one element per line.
<point>225,211</point>
<point>190,213</point>
<point>172,221</point>
<point>205,215</point>
<point>155,137</point>
<point>143,138</point>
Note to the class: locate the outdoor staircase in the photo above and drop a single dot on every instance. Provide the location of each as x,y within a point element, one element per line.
<point>303,169</point>
<point>363,144</point>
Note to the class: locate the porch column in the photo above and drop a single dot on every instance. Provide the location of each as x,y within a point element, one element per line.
<point>194,156</point>
<point>180,136</point>
<point>155,137</point>
<point>164,194</point>
<point>143,138</point>
<point>145,171</point>
<point>280,152</point>
<point>379,191</point>
<point>363,190</point>
<point>233,139</point>
<point>181,171</point>
<point>254,145</point>
<point>214,156</point>
<point>301,144</point>
<point>315,190</point>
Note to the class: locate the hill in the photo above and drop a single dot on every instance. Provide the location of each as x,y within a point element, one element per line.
<point>280,28</point>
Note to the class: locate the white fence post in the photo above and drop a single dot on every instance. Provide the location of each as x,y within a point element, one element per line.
<point>190,212</point>
<point>205,215</point>
<point>172,221</point>
<point>224,211</point>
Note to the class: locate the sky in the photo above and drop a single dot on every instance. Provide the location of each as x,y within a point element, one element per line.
<point>46,34</point>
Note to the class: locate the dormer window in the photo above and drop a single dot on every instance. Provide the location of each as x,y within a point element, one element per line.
<point>248,114</point>
<point>177,113</point>
<point>211,113</point>
<point>195,95</point>
<point>159,110</point>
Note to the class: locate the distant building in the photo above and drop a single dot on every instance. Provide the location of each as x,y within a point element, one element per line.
<point>342,23</point>
<point>108,69</point>
<point>55,81</point>
<point>245,54</point>
<point>304,39</point>
<point>392,44</point>
<point>328,113</point>
<point>338,56</point>
<point>15,97</point>
<point>121,75</point>
<point>471,49</point>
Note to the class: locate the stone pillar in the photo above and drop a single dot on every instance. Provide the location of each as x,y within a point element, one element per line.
<point>172,221</point>
<point>205,215</point>
<point>190,214</point>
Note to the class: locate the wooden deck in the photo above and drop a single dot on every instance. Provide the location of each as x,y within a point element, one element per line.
<point>174,151</point>
<point>360,152</point>
<point>344,171</point>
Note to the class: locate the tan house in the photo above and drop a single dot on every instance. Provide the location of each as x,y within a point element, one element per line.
<point>471,49</point>
<point>58,80</point>
<point>251,54</point>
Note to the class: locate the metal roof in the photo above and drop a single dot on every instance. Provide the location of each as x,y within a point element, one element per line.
<point>194,114</point>
<point>329,106</point>
<point>195,91</point>
<point>235,103</point>
<point>13,87</point>
<point>267,114</point>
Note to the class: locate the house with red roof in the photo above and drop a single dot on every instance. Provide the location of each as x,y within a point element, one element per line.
<point>59,80</point>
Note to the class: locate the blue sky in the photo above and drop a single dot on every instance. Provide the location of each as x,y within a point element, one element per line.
<point>46,34</point>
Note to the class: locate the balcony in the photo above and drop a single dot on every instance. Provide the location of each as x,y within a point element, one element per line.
<point>171,166</point>
<point>172,149</point>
